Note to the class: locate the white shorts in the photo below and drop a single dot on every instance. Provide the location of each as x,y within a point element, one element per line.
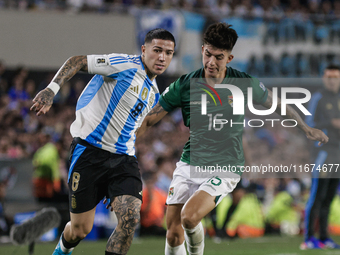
<point>182,187</point>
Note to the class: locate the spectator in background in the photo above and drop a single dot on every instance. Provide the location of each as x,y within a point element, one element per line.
<point>7,180</point>
<point>30,88</point>
<point>3,81</point>
<point>324,107</point>
<point>153,207</point>
<point>166,168</point>
<point>17,92</point>
<point>46,176</point>
<point>75,92</point>
<point>248,10</point>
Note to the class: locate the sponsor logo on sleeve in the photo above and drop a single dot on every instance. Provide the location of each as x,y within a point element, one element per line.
<point>100,61</point>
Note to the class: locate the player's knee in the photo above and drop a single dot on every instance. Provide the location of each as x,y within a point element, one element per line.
<point>81,231</point>
<point>131,219</point>
<point>174,237</point>
<point>189,220</point>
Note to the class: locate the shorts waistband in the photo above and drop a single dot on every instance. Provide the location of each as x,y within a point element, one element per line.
<point>84,143</point>
<point>87,144</point>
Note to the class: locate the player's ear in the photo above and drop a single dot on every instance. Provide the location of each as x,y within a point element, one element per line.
<point>143,49</point>
<point>230,58</point>
<point>202,49</point>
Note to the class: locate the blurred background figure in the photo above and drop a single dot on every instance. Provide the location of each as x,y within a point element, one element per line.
<point>153,207</point>
<point>325,109</point>
<point>46,176</point>
<point>49,182</point>
<point>8,176</point>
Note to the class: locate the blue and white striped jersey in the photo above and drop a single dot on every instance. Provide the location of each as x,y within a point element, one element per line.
<point>114,103</point>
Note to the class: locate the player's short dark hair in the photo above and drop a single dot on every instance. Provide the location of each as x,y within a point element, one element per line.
<point>333,67</point>
<point>221,36</point>
<point>159,33</point>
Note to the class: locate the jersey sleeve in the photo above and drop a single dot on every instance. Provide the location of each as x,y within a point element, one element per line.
<point>260,92</point>
<point>105,64</point>
<point>171,97</point>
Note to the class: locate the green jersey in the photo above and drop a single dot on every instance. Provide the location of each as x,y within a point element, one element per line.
<point>210,142</point>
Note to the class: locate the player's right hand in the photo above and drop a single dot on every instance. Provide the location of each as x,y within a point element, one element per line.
<point>43,101</point>
<point>317,135</point>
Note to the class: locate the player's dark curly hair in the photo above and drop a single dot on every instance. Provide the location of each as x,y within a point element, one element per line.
<point>159,33</point>
<point>221,36</point>
<point>333,67</point>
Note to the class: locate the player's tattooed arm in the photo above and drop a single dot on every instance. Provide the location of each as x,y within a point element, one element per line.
<point>311,133</point>
<point>155,115</point>
<point>127,209</point>
<point>44,99</point>
<point>70,68</point>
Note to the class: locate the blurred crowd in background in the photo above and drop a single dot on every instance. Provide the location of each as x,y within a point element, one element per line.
<point>267,9</point>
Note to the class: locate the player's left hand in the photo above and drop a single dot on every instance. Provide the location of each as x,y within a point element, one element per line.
<point>317,135</point>
<point>108,206</point>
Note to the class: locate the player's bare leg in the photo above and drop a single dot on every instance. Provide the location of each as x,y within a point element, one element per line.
<point>198,206</point>
<point>175,233</point>
<point>75,230</point>
<point>127,209</point>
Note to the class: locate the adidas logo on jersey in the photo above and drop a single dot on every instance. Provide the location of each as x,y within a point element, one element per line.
<point>135,89</point>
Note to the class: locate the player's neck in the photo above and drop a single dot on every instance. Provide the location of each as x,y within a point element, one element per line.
<point>148,73</point>
<point>213,80</point>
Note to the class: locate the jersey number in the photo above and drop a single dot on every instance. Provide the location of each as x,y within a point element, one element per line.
<point>75,181</point>
<point>215,181</point>
<point>138,110</point>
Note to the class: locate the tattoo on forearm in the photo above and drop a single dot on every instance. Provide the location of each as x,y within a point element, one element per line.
<point>70,68</point>
<point>127,209</point>
<point>156,110</point>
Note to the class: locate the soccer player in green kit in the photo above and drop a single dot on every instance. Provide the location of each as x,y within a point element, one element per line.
<point>190,199</point>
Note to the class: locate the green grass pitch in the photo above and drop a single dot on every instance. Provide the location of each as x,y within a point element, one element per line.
<point>155,246</point>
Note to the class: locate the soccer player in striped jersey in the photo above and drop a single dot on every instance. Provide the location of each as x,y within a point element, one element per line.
<point>110,109</point>
<point>190,199</point>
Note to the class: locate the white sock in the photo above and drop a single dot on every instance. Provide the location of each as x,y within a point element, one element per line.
<point>195,239</point>
<point>63,248</point>
<point>178,250</point>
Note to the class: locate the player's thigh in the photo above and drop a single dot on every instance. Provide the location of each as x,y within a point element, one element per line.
<point>208,195</point>
<point>198,206</point>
